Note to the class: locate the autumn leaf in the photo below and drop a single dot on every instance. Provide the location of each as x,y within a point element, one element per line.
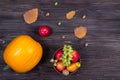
<point>80,32</point>
<point>70,14</point>
<point>31,16</point>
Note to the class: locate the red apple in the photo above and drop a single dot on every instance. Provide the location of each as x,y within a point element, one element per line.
<point>76,56</point>
<point>60,66</point>
<point>58,55</point>
<point>44,31</point>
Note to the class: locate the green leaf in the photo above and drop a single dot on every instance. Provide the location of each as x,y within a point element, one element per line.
<point>6,68</point>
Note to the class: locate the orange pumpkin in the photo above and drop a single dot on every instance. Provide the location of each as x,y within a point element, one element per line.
<point>22,54</point>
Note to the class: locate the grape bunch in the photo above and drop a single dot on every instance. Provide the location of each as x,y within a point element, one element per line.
<point>67,57</point>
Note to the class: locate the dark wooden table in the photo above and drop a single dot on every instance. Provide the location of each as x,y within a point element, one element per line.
<point>100,59</point>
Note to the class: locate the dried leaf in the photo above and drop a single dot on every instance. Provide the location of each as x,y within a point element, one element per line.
<point>70,14</point>
<point>59,23</point>
<point>52,60</point>
<point>80,32</point>
<point>56,3</point>
<point>31,16</point>
<point>86,44</point>
<point>84,16</point>
<point>47,14</point>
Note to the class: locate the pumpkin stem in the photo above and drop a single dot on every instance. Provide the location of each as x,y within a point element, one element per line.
<point>6,68</point>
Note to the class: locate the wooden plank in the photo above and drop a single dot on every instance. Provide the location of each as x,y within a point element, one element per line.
<point>100,60</point>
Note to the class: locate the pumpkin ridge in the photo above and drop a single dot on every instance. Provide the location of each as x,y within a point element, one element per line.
<point>36,57</point>
<point>21,55</point>
<point>28,59</point>
<point>32,59</point>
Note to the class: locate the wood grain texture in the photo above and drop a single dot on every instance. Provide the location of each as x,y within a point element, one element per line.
<point>100,60</point>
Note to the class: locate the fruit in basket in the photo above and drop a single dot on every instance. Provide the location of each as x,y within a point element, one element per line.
<point>76,56</point>
<point>23,53</point>
<point>73,67</point>
<point>60,66</point>
<point>66,60</point>
<point>44,31</point>
<point>58,55</point>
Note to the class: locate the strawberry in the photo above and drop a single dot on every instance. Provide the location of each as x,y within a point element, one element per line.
<point>60,66</point>
<point>76,56</point>
<point>58,55</point>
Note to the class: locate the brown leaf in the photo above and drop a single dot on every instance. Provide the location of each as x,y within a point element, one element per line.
<point>47,14</point>
<point>31,16</point>
<point>80,32</point>
<point>70,14</point>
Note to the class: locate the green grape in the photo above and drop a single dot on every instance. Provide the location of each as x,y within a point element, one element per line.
<point>67,57</point>
<point>68,62</point>
<point>70,55</point>
<point>64,56</point>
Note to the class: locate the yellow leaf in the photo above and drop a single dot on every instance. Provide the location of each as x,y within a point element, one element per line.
<point>31,16</point>
<point>80,32</point>
<point>70,14</point>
